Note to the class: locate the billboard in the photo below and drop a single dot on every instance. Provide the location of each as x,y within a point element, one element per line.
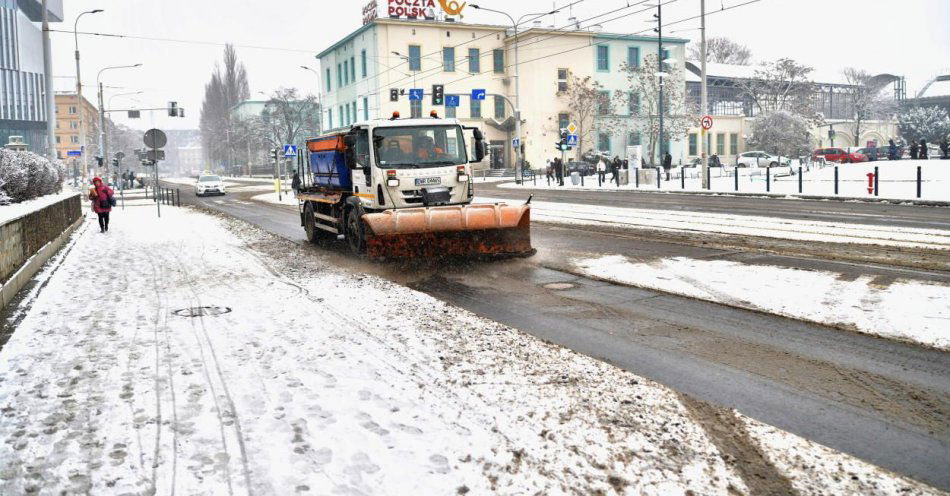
<point>411,9</point>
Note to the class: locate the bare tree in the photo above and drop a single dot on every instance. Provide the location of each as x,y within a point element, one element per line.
<point>642,100</point>
<point>289,118</point>
<point>782,85</point>
<point>586,99</point>
<point>225,89</point>
<point>723,51</point>
<point>781,132</point>
<point>866,102</point>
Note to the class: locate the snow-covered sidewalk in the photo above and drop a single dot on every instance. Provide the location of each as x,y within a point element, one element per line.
<point>199,355</point>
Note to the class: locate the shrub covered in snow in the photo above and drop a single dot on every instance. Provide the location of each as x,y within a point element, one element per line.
<point>26,175</point>
<point>781,132</point>
<point>929,123</point>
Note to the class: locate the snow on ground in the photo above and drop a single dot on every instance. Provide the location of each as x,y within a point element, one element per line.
<point>912,311</point>
<point>745,225</point>
<point>283,199</point>
<point>304,378</point>
<point>17,210</point>
<point>230,183</point>
<point>896,180</point>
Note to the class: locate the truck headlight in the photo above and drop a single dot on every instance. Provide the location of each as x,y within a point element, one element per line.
<point>392,183</point>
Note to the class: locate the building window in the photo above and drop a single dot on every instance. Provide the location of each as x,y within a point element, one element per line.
<point>563,120</point>
<point>355,118</point>
<point>692,144</point>
<point>74,139</point>
<point>330,118</point>
<point>73,124</point>
<point>353,69</point>
<point>339,78</point>
<point>733,143</point>
<point>474,65</point>
<point>450,112</point>
<point>603,103</point>
<point>634,103</point>
<point>363,63</point>
<point>720,144</point>
<point>448,59</point>
<point>415,109</point>
<point>498,61</point>
<point>346,72</point>
<point>475,111</point>
<point>603,59</point>
<point>72,109</point>
<point>633,139</point>
<point>633,57</point>
<point>328,80</point>
<point>562,80</point>
<point>603,142</point>
<point>365,108</point>
<point>415,58</point>
<point>57,140</point>
<point>499,107</point>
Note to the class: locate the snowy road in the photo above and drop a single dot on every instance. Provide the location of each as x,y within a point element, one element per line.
<point>861,384</point>
<point>297,377</point>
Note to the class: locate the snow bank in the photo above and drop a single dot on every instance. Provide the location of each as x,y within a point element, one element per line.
<point>906,310</point>
<point>746,225</point>
<point>284,199</point>
<point>896,180</point>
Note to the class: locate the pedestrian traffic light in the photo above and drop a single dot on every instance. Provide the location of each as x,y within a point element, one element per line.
<point>394,94</point>
<point>561,144</point>
<point>275,153</point>
<point>438,94</point>
<point>173,109</point>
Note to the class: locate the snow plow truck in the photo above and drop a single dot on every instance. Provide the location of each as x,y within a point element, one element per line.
<point>402,188</point>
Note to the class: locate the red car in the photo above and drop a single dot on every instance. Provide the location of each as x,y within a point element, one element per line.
<point>839,155</point>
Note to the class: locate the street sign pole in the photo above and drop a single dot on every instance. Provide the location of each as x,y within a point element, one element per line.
<point>702,56</point>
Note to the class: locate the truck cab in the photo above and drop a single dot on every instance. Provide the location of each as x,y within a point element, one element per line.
<point>405,163</point>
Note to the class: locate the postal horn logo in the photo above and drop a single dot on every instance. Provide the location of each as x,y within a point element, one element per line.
<point>452,7</point>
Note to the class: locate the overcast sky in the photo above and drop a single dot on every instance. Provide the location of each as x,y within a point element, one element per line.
<point>909,38</point>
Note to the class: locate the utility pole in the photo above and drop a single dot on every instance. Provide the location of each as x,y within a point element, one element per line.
<point>659,58</point>
<point>702,99</point>
<point>48,83</point>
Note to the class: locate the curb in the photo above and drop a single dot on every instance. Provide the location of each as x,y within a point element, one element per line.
<point>33,265</point>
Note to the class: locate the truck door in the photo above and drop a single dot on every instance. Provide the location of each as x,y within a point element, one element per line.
<point>363,172</point>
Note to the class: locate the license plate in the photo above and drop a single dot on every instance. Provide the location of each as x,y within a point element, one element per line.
<point>428,181</point>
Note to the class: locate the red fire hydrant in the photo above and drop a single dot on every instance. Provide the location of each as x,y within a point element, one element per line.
<point>870,182</point>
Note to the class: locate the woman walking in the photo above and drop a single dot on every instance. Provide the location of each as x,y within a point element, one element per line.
<point>101,197</point>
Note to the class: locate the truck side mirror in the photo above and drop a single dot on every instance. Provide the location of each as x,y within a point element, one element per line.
<point>480,147</point>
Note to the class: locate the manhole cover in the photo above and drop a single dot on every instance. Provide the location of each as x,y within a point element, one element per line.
<point>559,285</point>
<point>202,311</point>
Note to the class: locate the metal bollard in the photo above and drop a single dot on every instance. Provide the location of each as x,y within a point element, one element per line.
<point>600,181</point>
<point>178,196</point>
<point>735,174</point>
<point>799,179</point>
<point>682,178</point>
<point>582,179</point>
<point>636,177</point>
<point>657,178</point>
<point>768,179</point>
<point>836,179</point>
<point>918,181</point>
<point>709,178</point>
<point>875,180</point>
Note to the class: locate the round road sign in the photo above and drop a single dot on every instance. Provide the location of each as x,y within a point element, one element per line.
<point>155,138</point>
<point>706,122</point>
<point>119,155</point>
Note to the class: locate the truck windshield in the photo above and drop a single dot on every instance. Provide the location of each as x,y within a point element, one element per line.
<point>419,147</point>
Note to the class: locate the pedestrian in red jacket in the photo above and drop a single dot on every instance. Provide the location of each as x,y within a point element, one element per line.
<point>101,197</point>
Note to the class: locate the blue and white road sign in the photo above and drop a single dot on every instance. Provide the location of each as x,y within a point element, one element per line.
<point>515,143</point>
<point>478,94</point>
<point>73,153</point>
<point>451,100</point>
<point>571,140</point>
<point>416,93</point>
<point>290,151</point>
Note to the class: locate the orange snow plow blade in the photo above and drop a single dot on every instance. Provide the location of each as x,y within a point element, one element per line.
<point>489,229</point>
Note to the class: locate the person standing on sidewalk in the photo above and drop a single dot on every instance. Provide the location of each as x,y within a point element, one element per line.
<point>295,183</point>
<point>601,170</point>
<point>913,150</point>
<point>102,198</point>
<point>922,154</point>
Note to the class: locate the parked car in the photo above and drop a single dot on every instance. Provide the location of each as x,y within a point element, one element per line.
<point>584,168</point>
<point>838,155</point>
<point>872,154</point>
<point>759,159</point>
<point>209,185</point>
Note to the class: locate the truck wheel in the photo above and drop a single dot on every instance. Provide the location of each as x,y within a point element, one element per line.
<point>310,225</point>
<point>355,234</point>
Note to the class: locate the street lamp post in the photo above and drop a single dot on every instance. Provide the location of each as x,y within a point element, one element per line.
<point>79,109</point>
<point>103,132</point>
<point>49,98</point>
<point>704,172</point>
<point>319,96</point>
<point>519,157</point>
<point>659,59</point>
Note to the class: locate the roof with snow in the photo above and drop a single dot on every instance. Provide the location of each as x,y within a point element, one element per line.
<point>733,71</point>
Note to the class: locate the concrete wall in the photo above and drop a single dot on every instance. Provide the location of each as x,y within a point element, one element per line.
<point>24,237</point>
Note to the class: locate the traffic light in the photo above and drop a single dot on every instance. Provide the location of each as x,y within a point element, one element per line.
<point>98,160</point>
<point>115,162</point>
<point>438,94</point>
<point>181,112</point>
<point>393,94</point>
<point>135,114</point>
<point>561,144</point>
<point>173,109</point>
<point>275,153</point>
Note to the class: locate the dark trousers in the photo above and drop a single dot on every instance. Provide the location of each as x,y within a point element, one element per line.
<point>103,221</point>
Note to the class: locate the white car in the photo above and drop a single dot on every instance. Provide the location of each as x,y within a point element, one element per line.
<point>209,185</point>
<point>759,159</point>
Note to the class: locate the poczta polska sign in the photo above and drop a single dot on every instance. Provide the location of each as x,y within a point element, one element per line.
<point>412,9</point>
